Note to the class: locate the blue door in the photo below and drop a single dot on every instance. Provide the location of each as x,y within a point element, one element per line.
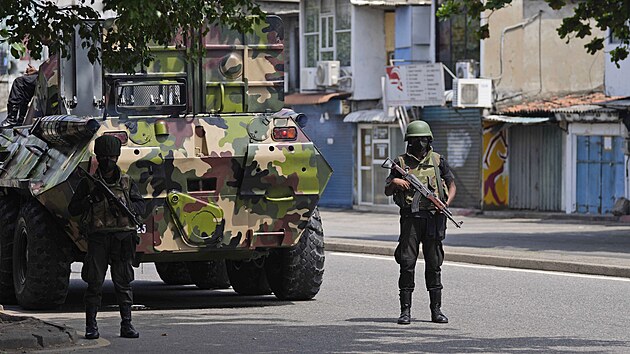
<point>600,173</point>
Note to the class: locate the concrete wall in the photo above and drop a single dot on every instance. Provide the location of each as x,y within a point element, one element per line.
<point>616,79</point>
<point>368,52</point>
<point>563,68</point>
<point>415,37</point>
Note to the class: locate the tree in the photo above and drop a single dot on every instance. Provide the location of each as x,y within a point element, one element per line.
<point>610,15</point>
<point>125,38</point>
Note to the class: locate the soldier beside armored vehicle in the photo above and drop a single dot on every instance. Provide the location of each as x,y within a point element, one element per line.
<point>231,188</point>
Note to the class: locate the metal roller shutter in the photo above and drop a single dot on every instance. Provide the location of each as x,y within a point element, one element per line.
<point>535,167</point>
<point>457,135</point>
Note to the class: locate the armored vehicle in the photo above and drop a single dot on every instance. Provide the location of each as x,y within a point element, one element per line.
<point>230,179</point>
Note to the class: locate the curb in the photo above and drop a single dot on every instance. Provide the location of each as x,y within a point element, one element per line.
<point>385,248</point>
<point>29,333</point>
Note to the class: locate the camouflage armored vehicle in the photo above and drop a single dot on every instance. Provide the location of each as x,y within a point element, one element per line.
<point>230,179</point>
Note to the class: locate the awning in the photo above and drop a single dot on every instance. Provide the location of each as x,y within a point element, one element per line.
<point>389,2</point>
<point>311,98</point>
<point>369,116</point>
<point>516,120</point>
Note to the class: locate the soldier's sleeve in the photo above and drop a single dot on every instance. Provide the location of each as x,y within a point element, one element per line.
<point>445,172</point>
<point>81,200</point>
<point>137,201</point>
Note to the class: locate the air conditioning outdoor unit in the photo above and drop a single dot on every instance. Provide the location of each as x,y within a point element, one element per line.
<point>327,73</point>
<point>472,93</point>
<point>466,69</point>
<point>307,79</point>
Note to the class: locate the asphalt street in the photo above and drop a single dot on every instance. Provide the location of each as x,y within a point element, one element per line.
<point>491,310</point>
<point>570,245</point>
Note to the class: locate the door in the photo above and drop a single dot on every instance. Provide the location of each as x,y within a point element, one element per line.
<point>600,173</point>
<point>376,144</point>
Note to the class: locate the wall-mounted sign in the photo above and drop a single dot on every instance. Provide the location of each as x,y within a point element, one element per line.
<point>414,85</point>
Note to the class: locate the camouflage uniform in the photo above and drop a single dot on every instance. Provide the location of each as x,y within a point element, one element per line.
<point>425,225</point>
<point>111,238</point>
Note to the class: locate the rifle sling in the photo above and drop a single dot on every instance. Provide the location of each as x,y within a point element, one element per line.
<point>439,178</point>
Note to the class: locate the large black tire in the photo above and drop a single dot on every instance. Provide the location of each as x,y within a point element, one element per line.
<point>42,254</point>
<point>173,273</point>
<point>296,273</point>
<point>248,278</point>
<point>9,209</point>
<point>209,274</point>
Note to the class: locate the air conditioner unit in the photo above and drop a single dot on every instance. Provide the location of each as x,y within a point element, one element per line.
<point>472,93</point>
<point>307,79</point>
<point>327,73</point>
<point>466,69</point>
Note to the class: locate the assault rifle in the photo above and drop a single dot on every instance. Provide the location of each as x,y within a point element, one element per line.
<point>112,198</point>
<point>421,191</point>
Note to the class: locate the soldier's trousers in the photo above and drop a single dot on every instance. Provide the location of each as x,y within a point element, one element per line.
<point>22,90</point>
<point>413,231</point>
<point>117,250</point>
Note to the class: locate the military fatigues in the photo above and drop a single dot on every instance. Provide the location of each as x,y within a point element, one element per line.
<point>111,236</point>
<point>424,226</point>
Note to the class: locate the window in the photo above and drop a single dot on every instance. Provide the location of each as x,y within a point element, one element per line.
<point>327,31</point>
<point>456,40</point>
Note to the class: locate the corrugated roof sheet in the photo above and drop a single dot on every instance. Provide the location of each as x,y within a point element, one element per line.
<point>546,107</point>
<point>623,103</point>
<point>389,2</point>
<point>584,108</point>
<point>516,120</point>
<point>369,116</point>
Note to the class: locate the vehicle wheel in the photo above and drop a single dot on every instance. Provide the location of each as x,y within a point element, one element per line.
<point>248,278</point>
<point>42,254</point>
<point>296,273</point>
<point>209,275</point>
<point>173,273</point>
<point>9,209</point>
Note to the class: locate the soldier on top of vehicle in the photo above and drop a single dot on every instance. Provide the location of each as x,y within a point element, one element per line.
<point>22,91</point>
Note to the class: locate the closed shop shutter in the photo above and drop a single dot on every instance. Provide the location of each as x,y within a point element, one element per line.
<point>457,135</point>
<point>334,139</point>
<point>535,167</point>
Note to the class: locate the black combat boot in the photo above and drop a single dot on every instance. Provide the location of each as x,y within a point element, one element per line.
<point>12,116</point>
<point>126,328</point>
<point>91,329</point>
<point>405,307</point>
<point>436,302</point>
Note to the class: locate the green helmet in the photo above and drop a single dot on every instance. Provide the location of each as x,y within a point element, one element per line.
<point>418,128</point>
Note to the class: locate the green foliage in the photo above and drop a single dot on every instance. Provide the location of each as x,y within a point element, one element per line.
<point>604,14</point>
<point>122,41</point>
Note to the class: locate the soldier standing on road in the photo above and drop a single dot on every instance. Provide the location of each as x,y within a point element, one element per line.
<point>110,234</point>
<point>425,226</point>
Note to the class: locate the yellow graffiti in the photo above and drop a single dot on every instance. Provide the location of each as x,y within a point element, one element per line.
<point>495,174</point>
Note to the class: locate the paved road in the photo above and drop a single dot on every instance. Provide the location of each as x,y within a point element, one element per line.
<point>569,245</point>
<point>492,310</point>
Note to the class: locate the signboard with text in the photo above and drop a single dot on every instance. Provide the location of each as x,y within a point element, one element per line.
<point>414,85</point>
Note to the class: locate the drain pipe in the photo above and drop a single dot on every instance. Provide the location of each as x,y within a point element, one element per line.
<point>506,30</point>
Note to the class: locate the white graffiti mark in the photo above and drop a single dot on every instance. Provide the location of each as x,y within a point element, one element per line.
<point>459,144</point>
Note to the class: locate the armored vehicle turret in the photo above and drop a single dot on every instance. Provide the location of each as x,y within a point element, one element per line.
<point>230,179</point>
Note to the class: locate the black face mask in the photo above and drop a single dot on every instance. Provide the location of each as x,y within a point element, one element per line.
<point>419,145</point>
<point>106,165</point>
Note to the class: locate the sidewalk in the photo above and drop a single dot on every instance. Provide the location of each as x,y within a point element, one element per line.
<point>597,245</point>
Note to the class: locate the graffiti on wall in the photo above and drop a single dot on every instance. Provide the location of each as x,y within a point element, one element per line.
<point>495,174</point>
<point>459,144</point>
